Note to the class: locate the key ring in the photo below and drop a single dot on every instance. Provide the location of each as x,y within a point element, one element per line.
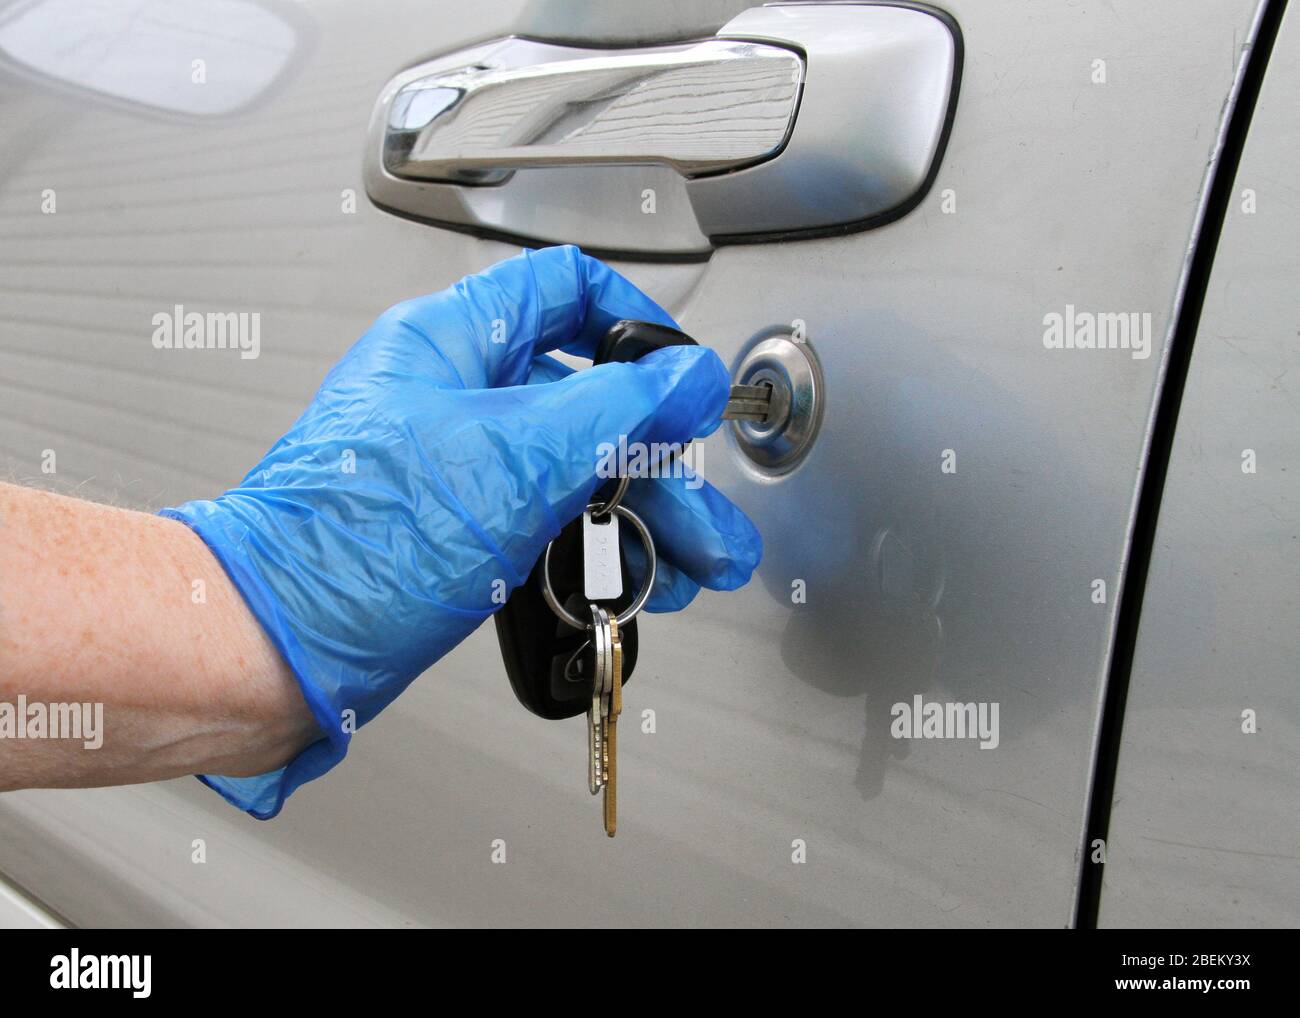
<point>643,595</point>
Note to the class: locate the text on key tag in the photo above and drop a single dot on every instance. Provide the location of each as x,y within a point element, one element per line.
<point>602,571</point>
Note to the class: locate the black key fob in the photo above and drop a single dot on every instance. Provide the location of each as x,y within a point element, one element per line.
<point>549,669</point>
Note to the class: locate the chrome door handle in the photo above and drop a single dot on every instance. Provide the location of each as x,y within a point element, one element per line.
<point>797,119</point>
<point>700,108</point>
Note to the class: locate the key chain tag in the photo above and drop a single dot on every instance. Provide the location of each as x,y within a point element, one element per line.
<point>643,595</point>
<point>602,570</point>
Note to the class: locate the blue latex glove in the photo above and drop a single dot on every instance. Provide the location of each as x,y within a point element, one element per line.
<point>471,451</point>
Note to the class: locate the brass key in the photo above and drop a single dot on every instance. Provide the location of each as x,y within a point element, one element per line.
<point>614,708</point>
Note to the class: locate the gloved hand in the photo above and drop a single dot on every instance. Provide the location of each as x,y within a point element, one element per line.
<point>440,455</point>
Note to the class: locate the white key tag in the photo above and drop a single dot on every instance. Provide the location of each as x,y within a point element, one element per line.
<point>602,564</point>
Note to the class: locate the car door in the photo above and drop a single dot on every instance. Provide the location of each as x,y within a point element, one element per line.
<point>954,532</point>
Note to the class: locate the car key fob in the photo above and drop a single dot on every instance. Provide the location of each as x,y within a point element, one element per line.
<point>546,659</point>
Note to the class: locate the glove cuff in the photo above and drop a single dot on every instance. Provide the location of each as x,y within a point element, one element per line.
<point>263,795</point>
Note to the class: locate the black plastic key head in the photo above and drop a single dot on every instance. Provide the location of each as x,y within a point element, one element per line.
<point>630,341</point>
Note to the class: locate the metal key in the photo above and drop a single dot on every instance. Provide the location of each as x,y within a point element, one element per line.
<point>596,710</point>
<point>749,403</point>
<point>614,708</point>
<point>604,682</point>
<point>606,705</point>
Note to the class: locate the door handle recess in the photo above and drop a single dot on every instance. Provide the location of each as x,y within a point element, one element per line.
<point>797,119</point>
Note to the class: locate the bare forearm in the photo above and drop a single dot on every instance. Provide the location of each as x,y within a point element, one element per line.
<point>100,605</point>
